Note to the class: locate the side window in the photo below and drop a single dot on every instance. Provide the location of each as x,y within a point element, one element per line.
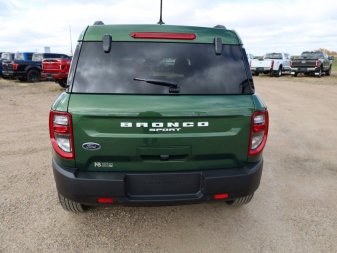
<point>73,66</point>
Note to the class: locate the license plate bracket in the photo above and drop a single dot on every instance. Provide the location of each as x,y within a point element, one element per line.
<point>163,184</point>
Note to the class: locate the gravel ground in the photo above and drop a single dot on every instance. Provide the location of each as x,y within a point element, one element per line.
<point>294,210</point>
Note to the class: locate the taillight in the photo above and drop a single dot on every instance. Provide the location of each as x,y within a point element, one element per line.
<point>258,132</point>
<point>61,134</point>
<point>291,63</point>
<point>63,65</point>
<point>15,66</point>
<point>272,64</point>
<point>318,64</point>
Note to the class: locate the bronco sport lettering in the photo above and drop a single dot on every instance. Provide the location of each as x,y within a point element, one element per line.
<point>162,124</point>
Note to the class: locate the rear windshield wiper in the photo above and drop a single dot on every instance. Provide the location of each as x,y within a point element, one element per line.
<point>172,85</point>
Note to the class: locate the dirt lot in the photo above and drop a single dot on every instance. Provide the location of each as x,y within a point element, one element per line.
<point>294,210</point>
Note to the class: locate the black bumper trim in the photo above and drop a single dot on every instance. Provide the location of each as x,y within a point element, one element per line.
<point>86,187</point>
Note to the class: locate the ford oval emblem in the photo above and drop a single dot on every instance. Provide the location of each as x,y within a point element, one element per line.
<point>91,146</point>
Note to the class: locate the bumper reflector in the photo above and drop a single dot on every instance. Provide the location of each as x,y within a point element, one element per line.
<point>105,200</point>
<point>221,196</point>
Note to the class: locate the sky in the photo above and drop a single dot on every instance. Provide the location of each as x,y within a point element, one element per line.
<point>290,26</point>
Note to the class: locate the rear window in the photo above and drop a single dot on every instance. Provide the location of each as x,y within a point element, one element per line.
<point>7,56</point>
<point>273,56</point>
<point>194,68</point>
<point>19,56</point>
<point>23,56</point>
<point>312,55</point>
<point>37,57</point>
<point>40,57</point>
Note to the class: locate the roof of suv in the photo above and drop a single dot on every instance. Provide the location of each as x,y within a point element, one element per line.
<point>124,32</point>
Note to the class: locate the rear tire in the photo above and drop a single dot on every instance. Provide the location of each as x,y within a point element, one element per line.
<point>328,72</point>
<point>319,73</point>
<point>63,83</point>
<point>69,205</point>
<point>33,75</point>
<point>278,73</point>
<point>240,201</point>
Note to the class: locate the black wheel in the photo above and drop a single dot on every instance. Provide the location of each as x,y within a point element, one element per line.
<point>319,73</point>
<point>296,74</point>
<point>278,73</point>
<point>240,201</point>
<point>33,75</point>
<point>63,83</point>
<point>256,74</point>
<point>69,205</point>
<point>328,72</point>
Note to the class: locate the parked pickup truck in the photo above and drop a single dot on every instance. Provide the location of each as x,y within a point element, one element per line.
<point>274,64</point>
<point>4,58</point>
<point>9,67</point>
<point>56,70</point>
<point>157,114</point>
<point>313,63</point>
<point>29,69</point>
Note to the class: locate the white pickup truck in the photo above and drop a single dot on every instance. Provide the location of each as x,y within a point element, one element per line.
<point>274,64</point>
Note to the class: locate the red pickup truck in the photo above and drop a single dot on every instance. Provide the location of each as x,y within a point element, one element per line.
<point>56,70</point>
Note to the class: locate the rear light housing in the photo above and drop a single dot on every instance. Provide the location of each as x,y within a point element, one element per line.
<point>318,63</point>
<point>61,134</point>
<point>15,66</point>
<point>258,132</point>
<point>162,35</point>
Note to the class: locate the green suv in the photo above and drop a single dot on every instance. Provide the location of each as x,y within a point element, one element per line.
<point>157,114</point>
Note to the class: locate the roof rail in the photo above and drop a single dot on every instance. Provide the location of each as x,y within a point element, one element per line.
<point>220,26</point>
<point>98,22</point>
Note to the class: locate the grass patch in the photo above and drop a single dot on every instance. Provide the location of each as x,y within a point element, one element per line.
<point>334,65</point>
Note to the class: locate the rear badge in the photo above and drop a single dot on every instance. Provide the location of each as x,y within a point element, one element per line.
<point>91,146</point>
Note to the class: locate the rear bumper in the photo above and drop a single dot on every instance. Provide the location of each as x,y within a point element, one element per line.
<point>15,74</point>
<point>7,74</point>
<point>304,70</point>
<point>165,187</point>
<point>54,76</point>
<point>261,70</point>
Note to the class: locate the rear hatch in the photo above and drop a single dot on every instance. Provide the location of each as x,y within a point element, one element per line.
<point>159,106</point>
<point>51,66</point>
<point>303,62</point>
<point>307,59</point>
<point>55,65</point>
<point>155,133</point>
<point>260,63</point>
